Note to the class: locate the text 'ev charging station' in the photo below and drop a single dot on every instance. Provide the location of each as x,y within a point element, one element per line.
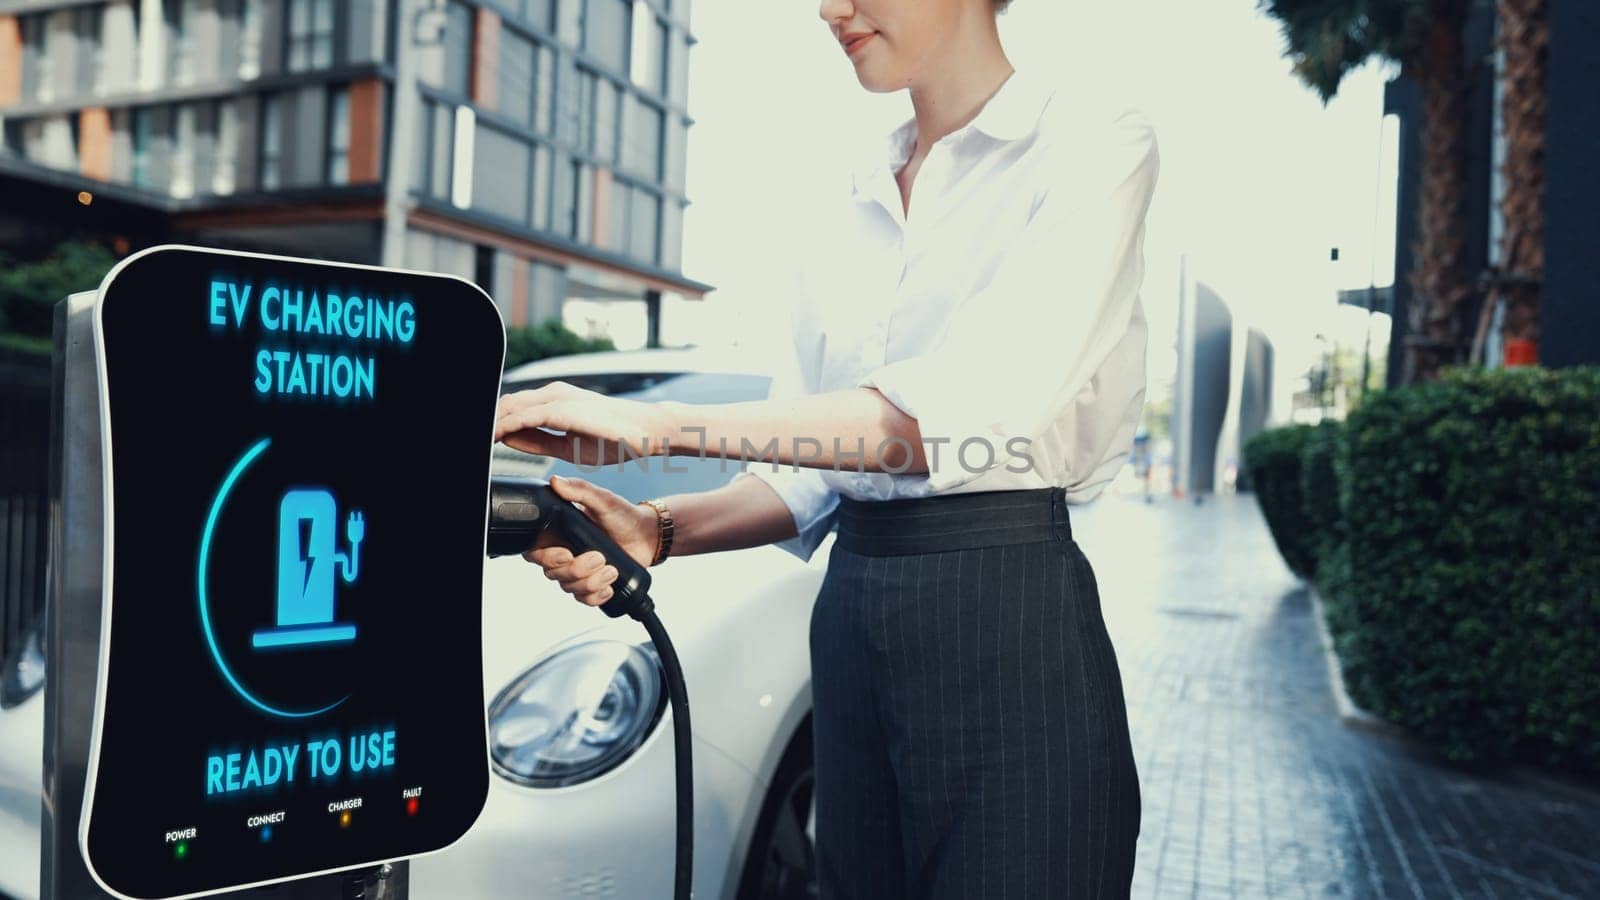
<point>290,673</point>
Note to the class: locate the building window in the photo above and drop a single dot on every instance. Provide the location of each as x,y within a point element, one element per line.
<point>569,102</point>
<point>641,140</point>
<point>141,137</point>
<point>607,107</point>
<point>569,22</point>
<point>678,70</point>
<point>249,39</point>
<point>515,79</point>
<point>458,48</point>
<point>644,225</point>
<point>544,86</point>
<point>649,49</point>
<point>179,49</point>
<point>547,288</point>
<point>675,149</point>
<point>501,172</point>
<point>424,146</point>
<point>541,187</point>
<point>90,56</point>
<point>183,140</point>
<point>338,169</point>
<point>271,142</point>
<point>12,141</point>
<point>538,13</point>
<point>672,234</point>
<point>35,61</point>
<point>616,237</point>
<point>563,215</point>
<point>606,29</point>
<point>310,34</point>
<point>587,83</point>
<point>541,13</point>
<point>441,150</point>
<point>224,175</point>
<point>466,126</point>
<point>432,162</point>
<point>583,208</point>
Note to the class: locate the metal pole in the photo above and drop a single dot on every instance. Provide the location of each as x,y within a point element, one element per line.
<point>1366,344</point>
<point>402,134</point>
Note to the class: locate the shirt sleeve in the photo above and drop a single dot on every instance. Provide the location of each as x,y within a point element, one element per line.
<point>1016,353</point>
<point>810,500</point>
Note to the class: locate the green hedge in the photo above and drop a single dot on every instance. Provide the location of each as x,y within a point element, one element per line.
<point>1319,490</point>
<point>1465,605</point>
<point>1272,458</point>
<point>528,343</point>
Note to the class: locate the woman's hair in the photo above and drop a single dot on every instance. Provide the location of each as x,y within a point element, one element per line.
<point>1000,5</point>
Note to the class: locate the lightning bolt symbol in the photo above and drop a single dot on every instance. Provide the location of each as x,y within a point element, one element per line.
<point>305,552</point>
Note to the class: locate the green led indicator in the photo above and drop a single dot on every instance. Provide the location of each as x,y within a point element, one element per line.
<point>181,850</point>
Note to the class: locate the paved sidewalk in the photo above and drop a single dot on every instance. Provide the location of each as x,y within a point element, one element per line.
<point>1252,786</point>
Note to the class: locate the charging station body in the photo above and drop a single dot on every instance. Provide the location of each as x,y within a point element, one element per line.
<point>295,460</point>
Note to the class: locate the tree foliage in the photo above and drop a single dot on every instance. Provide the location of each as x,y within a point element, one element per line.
<point>1327,39</point>
<point>29,290</point>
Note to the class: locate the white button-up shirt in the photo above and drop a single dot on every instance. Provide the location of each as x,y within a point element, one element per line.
<point>1002,313</point>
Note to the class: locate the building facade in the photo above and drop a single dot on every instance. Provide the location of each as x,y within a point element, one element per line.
<point>544,156</point>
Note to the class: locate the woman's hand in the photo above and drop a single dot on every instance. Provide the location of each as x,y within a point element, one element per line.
<point>599,430</point>
<point>587,577</point>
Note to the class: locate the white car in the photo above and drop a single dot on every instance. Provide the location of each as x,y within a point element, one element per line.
<point>581,801</point>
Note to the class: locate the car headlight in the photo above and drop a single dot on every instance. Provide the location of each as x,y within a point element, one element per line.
<point>576,714</point>
<point>24,671</point>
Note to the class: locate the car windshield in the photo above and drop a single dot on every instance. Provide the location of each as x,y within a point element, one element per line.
<point>641,479</point>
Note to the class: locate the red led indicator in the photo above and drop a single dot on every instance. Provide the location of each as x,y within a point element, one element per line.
<point>411,807</point>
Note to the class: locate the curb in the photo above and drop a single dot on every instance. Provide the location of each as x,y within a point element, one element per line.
<point>1352,715</point>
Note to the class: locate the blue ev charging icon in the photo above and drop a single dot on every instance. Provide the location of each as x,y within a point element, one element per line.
<point>307,522</point>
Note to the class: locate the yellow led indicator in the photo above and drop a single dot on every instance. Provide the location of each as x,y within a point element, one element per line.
<point>344,819</point>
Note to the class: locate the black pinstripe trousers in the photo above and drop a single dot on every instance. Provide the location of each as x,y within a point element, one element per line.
<point>971,735</point>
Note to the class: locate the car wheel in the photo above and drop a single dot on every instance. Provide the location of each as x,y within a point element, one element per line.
<point>782,862</point>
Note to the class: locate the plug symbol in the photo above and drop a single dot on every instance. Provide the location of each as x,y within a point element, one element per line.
<point>307,562</point>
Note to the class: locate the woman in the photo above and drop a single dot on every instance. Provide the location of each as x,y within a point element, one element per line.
<point>968,363</point>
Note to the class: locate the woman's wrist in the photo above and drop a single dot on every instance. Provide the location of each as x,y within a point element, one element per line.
<point>663,528</point>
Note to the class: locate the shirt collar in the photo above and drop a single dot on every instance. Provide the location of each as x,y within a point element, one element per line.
<point>1012,113</point>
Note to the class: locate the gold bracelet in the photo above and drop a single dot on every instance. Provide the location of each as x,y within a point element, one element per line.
<point>664,529</point>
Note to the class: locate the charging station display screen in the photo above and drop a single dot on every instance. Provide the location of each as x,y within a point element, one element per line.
<point>291,672</point>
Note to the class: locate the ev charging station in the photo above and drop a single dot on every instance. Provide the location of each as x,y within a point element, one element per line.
<point>265,651</point>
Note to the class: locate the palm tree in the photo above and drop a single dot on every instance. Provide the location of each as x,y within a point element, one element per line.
<point>1327,39</point>
<point>1524,39</point>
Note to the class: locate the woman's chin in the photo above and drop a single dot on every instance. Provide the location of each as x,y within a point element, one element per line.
<point>876,81</point>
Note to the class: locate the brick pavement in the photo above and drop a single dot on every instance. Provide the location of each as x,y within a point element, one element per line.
<point>1252,786</point>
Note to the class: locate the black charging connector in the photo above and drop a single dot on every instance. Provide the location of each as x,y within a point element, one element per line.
<point>521,510</point>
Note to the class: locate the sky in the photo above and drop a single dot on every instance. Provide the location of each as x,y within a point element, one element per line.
<point>1258,180</point>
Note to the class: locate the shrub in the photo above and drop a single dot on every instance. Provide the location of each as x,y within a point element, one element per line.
<point>1468,609</point>
<point>527,343</point>
<point>1319,490</point>
<point>1272,458</point>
